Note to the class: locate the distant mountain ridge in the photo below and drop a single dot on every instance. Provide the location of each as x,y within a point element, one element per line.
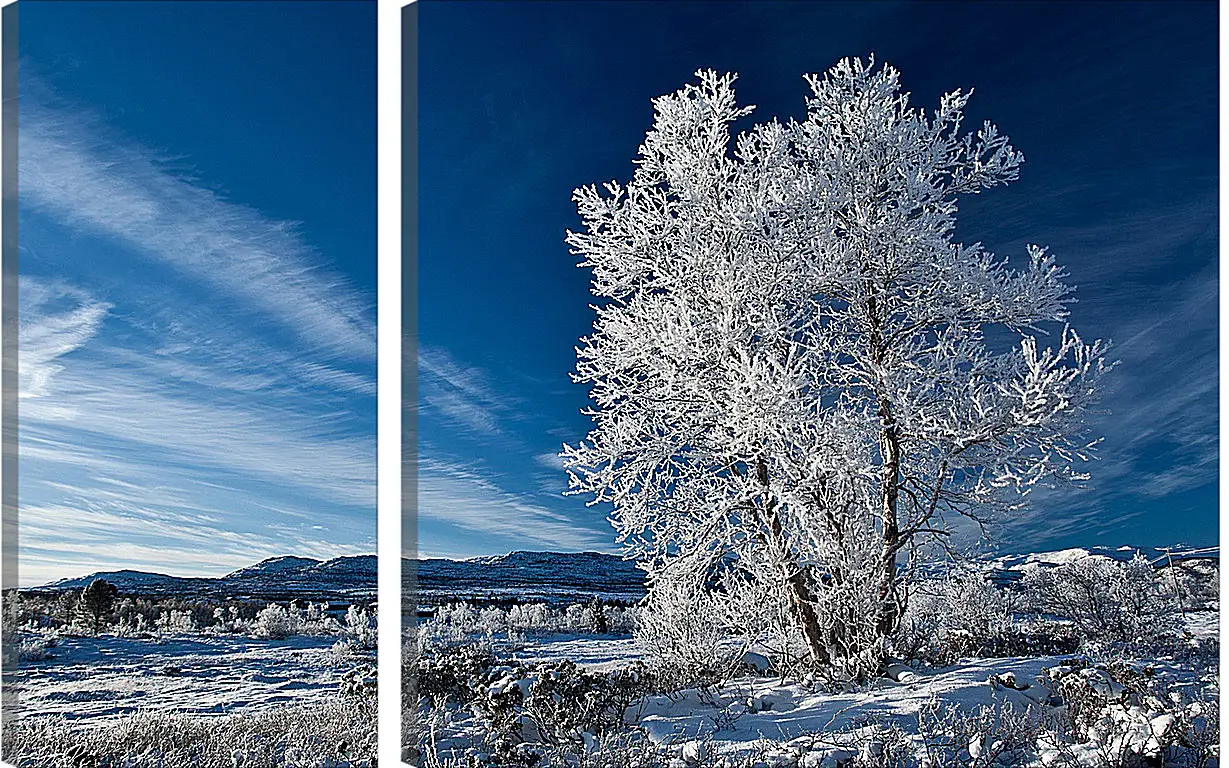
<point>548,576</point>
<point>554,577</point>
<point>277,578</point>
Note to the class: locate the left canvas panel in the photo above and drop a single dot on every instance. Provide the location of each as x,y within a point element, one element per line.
<point>195,389</point>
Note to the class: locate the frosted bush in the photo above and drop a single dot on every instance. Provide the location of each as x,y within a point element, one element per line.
<point>937,736</point>
<point>1106,599</point>
<point>176,623</point>
<point>456,623</point>
<point>276,622</point>
<point>1113,714</point>
<point>358,637</point>
<point>37,648</point>
<point>687,634</point>
<point>492,621</point>
<point>958,615</point>
<point>1196,583</point>
<point>545,714</point>
<point>574,618</point>
<point>136,626</point>
<point>225,621</point>
<point>530,616</point>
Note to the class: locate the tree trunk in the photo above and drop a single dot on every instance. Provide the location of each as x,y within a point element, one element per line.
<point>802,603</point>
<point>889,447</point>
<point>889,599</point>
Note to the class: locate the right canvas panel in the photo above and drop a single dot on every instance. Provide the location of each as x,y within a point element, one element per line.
<point>785,372</point>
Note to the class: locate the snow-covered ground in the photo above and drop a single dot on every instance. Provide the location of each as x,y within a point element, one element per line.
<point>767,717</point>
<point>781,712</point>
<point>98,678</point>
<point>600,654</point>
<point>1203,624</point>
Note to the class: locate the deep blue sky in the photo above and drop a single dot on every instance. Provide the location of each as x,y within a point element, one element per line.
<point>197,269</point>
<point>1113,104</point>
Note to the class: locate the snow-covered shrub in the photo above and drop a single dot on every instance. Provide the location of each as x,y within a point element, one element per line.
<point>1033,636</point>
<point>689,634</point>
<point>358,637</point>
<point>1106,599</point>
<point>11,618</point>
<point>1199,731</point>
<point>225,621</point>
<point>622,619</point>
<point>1195,583</point>
<point>361,628</point>
<point>451,674</point>
<point>133,626</point>
<point>530,616</point>
<point>574,618</point>
<point>939,736</point>
<point>961,614</point>
<point>457,623</point>
<point>452,623</point>
<point>38,647</point>
<point>277,623</point>
<point>176,623</point>
<point>360,682</point>
<point>1116,714</point>
<point>526,709</point>
<point>553,704</point>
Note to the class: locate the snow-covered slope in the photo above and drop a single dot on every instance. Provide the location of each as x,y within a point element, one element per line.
<point>1012,567</point>
<point>134,582</point>
<point>275,565</point>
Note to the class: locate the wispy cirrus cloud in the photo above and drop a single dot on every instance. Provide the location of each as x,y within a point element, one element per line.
<point>70,170</point>
<point>201,398</point>
<point>552,461</point>
<point>484,483</point>
<point>461,497</point>
<point>55,320</point>
<point>108,397</point>
<point>461,393</point>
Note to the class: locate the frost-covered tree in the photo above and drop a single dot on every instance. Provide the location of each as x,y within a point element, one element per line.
<point>798,374</point>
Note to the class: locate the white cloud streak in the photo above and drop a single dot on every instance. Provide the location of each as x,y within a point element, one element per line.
<point>461,393</point>
<point>181,427</point>
<point>48,332</point>
<point>459,496</point>
<point>67,170</point>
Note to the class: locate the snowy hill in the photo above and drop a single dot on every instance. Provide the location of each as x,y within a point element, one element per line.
<point>1012,567</point>
<point>134,582</point>
<point>274,565</point>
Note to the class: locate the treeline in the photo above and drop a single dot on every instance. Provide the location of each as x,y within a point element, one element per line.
<point>100,607</point>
